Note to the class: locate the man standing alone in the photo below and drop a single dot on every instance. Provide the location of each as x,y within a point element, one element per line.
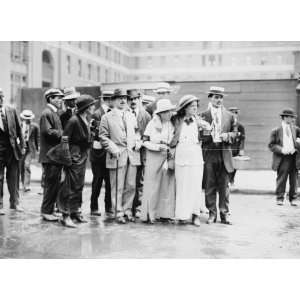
<point>285,145</point>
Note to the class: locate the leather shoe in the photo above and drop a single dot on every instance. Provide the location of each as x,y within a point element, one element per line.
<point>67,221</point>
<point>96,213</point>
<point>18,208</point>
<point>279,202</point>
<point>225,221</point>
<point>196,221</point>
<point>211,219</point>
<point>49,218</point>
<point>2,213</point>
<point>78,218</point>
<point>121,220</point>
<point>293,203</point>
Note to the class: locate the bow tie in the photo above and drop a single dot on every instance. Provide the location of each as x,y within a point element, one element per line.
<point>189,120</point>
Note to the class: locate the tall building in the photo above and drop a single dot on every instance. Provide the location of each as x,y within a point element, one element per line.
<point>81,63</point>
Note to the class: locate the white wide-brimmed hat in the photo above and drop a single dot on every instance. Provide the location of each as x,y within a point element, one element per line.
<point>163,87</point>
<point>27,114</point>
<point>164,105</point>
<point>70,93</point>
<point>186,100</point>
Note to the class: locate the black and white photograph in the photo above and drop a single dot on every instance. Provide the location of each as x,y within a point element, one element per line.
<point>149,150</point>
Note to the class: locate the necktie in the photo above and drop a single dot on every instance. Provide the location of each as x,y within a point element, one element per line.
<point>134,112</point>
<point>124,121</point>
<point>4,124</point>
<point>188,121</point>
<point>26,135</point>
<point>287,131</point>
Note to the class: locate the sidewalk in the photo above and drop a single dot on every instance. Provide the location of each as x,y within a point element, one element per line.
<point>246,181</point>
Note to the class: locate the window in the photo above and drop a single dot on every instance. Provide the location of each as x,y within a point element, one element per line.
<point>263,61</point>
<point>116,77</point>
<point>220,59</point>
<point>98,49</point>
<point>79,68</point>
<point>162,61</point>
<point>90,46</point>
<point>19,52</point>
<point>89,72</point>
<point>149,61</point>
<point>80,45</point>
<point>69,64</point>
<point>248,60</point>
<point>150,44</point>
<point>106,76</point>
<point>136,62</point>
<point>98,74</point>
<point>212,60</point>
<point>106,52</point>
<point>203,60</point>
<point>18,81</point>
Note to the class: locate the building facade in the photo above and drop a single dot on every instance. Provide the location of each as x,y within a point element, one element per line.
<point>83,63</point>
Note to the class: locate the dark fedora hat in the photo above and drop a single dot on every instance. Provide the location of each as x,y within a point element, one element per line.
<point>83,102</point>
<point>119,93</point>
<point>288,112</point>
<point>133,94</point>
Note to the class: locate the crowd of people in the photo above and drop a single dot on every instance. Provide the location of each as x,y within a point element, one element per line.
<point>159,162</point>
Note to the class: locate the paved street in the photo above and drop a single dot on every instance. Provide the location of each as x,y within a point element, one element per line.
<point>261,230</point>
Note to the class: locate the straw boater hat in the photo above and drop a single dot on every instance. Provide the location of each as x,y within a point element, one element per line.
<point>186,100</point>
<point>70,93</point>
<point>164,105</point>
<point>83,102</point>
<point>288,112</point>
<point>163,88</point>
<point>27,114</point>
<point>107,94</point>
<point>216,90</point>
<point>148,99</point>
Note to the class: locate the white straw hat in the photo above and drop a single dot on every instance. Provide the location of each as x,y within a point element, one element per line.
<point>164,105</point>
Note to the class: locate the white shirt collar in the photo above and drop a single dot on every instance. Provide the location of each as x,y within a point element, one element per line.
<point>52,107</point>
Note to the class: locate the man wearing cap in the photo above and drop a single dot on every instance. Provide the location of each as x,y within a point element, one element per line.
<point>30,131</point>
<point>163,92</point>
<point>11,150</point>
<point>217,155</point>
<point>238,144</point>
<point>70,96</point>
<point>50,136</point>
<point>285,145</point>
<point>142,119</point>
<point>98,159</point>
<point>118,136</point>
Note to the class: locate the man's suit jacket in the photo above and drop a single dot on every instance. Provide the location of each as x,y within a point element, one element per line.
<point>114,132</point>
<point>34,136</point>
<point>150,108</point>
<point>276,144</point>
<point>228,126</point>
<point>65,117</point>
<point>97,155</point>
<point>15,131</point>
<point>50,132</point>
<point>143,118</point>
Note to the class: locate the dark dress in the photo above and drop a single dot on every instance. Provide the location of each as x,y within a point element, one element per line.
<point>70,198</point>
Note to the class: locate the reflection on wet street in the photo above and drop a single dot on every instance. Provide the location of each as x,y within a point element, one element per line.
<point>261,230</point>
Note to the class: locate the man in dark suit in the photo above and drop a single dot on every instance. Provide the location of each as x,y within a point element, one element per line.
<point>238,145</point>
<point>142,118</point>
<point>50,136</point>
<point>163,92</point>
<point>31,137</point>
<point>11,150</point>
<point>285,145</point>
<point>70,96</point>
<point>98,159</point>
<point>217,155</point>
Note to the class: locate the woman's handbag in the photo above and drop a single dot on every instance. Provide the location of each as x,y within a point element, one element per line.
<point>60,154</point>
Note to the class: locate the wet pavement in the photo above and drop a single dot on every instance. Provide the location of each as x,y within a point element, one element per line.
<point>261,230</point>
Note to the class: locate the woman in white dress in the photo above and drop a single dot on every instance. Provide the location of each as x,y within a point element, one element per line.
<point>158,200</point>
<point>188,160</point>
